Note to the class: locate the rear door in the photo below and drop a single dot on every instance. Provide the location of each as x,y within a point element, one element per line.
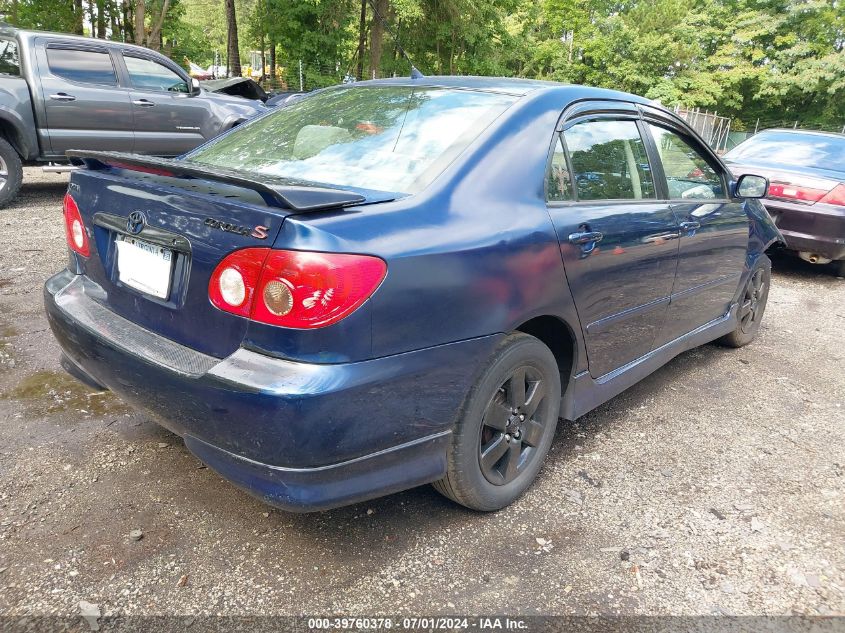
<point>618,240</point>
<point>84,105</point>
<point>168,119</point>
<point>714,228</point>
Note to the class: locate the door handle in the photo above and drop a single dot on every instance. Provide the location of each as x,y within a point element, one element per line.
<point>690,226</point>
<point>585,237</point>
<point>62,96</point>
<point>143,102</point>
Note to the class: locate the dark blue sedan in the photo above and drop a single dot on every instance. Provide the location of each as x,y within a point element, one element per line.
<point>405,281</point>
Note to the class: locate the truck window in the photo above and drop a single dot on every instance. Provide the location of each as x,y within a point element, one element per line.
<point>90,67</point>
<point>9,64</point>
<point>146,74</point>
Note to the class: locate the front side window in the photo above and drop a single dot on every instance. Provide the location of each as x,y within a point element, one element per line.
<point>145,74</point>
<point>609,161</point>
<point>394,138</point>
<point>89,67</point>
<point>688,175</point>
<point>9,63</point>
<point>559,182</point>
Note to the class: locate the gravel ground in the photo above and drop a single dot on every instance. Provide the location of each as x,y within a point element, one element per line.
<point>713,487</point>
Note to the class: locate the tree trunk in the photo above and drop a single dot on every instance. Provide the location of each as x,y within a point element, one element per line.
<point>101,19</point>
<point>128,22</point>
<point>140,15</point>
<point>377,38</point>
<point>79,15</point>
<point>272,62</point>
<point>232,52</point>
<point>114,18</point>
<point>362,40</point>
<point>93,18</point>
<point>154,40</point>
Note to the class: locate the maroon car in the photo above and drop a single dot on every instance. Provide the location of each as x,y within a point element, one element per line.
<point>806,199</point>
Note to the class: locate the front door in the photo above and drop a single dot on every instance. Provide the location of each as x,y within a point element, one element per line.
<point>714,231</point>
<point>85,108</point>
<point>618,241</point>
<point>168,119</point>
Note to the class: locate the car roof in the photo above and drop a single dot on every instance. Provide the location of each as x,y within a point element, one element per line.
<point>800,132</point>
<point>506,85</point>
<point>26,34</point>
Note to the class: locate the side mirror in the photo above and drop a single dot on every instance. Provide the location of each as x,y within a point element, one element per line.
<point>195,86</point>
<point>749,186</point>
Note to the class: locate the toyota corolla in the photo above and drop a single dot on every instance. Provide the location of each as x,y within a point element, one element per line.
<point>405,281</point>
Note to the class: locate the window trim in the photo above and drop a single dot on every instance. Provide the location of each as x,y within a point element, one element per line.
<point>138,55</point>
<point>84,48</point>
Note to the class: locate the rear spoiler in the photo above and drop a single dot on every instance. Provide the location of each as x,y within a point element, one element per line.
<point>279,192</point>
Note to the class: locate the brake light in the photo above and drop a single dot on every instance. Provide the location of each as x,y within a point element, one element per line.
<point>795,192</point>
<point>295,289</point>
<point>835,196</point>
<point>77,238</point>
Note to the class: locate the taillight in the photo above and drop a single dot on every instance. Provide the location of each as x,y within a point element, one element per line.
<point>795,192</point>
<point>295,289</point>
<point>77,238</point>
<point>835,196</point>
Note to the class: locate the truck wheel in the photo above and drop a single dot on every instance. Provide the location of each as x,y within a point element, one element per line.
<point>506,426</point>
<point>752,304</point>
<point>11,173</point>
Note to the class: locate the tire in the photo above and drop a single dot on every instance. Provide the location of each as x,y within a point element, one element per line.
<point>752,305</point>
<point>10,164</point>
<point>488,423</point>
<point>839,268</point>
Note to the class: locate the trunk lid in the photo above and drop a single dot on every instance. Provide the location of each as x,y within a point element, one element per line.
<point>185,224</point>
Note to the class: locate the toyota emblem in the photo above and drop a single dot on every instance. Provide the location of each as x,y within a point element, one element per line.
<point>136,222</point>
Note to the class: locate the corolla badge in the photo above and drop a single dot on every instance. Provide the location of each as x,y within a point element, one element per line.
<point>259,232</point>
<point>136,222</point>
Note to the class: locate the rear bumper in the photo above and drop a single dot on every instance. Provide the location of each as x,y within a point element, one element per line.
<point>818,228</point>
<point>299,436</point>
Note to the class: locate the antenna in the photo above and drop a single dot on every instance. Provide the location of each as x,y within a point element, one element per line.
<point>415,73</point>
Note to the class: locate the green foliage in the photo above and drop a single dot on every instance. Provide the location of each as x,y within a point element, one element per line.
<point>749,59</point>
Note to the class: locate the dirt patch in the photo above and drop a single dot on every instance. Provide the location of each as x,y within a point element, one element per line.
<point>48,392</point>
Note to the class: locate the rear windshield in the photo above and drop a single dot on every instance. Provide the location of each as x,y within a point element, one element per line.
<point>789,148</point>
<point>393,138</point>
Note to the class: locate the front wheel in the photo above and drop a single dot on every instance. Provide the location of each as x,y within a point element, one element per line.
<point>752,305</point>
<point>11,173</point>
<point>506,426</point>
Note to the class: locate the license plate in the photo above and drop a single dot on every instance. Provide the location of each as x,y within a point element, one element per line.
<point>144,266</point>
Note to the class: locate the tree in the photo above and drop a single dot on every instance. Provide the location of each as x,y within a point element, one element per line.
<point>233,55</point>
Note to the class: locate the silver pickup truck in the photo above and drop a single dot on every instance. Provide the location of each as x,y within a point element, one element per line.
<point>61,92</point>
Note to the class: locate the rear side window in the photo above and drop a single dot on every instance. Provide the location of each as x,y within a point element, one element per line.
<point>560,183</point>
<point>146,74</point>
<point>9,64</point>
<point>90,67</point>
<point>609,161</point>
<point>688,174</point>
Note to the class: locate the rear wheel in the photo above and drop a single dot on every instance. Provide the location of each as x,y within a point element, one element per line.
<point>506,427</point>
<point>11,173</point>
<point>839,268</point>
<point>752,305</point>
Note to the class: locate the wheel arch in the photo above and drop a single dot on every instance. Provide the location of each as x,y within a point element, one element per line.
<point>11,131</point>
<point>559,337</point>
